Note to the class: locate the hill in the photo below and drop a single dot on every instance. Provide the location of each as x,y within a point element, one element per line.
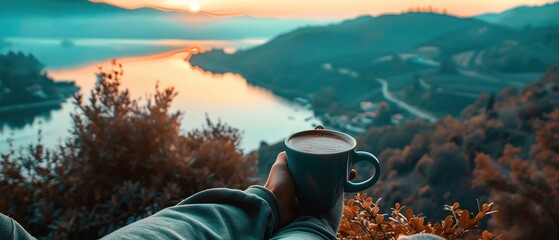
<point>525,16</point>
<point>84,19</point>
<point>3,43</point>
<point>359,37</point>
<point>25,83</point>
<point>530,50</point>
<point>294,60</point>
<point>472,38</point>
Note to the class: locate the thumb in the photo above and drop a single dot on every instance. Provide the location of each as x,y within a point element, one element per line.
<point>281,161</point>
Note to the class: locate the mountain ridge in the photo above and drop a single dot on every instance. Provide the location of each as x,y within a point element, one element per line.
<point>292,64</point>
<point>343,32</point>
<point>294,61</point>
<point>84,19</point>
<point>525,16</point>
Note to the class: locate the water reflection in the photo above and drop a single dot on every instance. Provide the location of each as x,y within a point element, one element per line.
<point>25,117</point>
<point>64,53</point>
<point>259,114</point>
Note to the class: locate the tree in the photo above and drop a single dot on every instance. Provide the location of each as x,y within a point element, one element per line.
<point>123,162</point>
<point>383,114</point>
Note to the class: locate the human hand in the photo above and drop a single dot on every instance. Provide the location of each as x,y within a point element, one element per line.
<point>280,183</point>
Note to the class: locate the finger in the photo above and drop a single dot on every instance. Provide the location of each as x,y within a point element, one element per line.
<point>281,160</point>
<point>352,174</point>
<point>282,157</point>
<point>278,170</point>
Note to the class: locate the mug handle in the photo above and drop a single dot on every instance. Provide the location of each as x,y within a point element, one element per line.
<point>356,187</point>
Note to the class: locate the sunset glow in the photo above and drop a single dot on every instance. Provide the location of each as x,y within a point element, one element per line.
<point>320,9</point>
<point>194,7</point>
<point>175,3</point>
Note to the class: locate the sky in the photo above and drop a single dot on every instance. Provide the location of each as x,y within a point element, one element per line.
<point>324,9</point>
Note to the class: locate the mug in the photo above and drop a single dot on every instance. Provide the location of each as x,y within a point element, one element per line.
<point>321,170</point>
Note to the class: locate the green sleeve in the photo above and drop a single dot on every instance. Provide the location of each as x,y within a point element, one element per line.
<point>308,228</point>
<point>10,229</point>
<point>211,214</point>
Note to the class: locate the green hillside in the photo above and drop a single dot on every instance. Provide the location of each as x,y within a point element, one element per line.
<point>361,37</point>
<point>294,60</point>
<point>529,50</point>
<point>525,16</point>
<point>472,38</point>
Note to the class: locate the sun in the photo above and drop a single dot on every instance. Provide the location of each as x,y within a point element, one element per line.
<point>194,7</point>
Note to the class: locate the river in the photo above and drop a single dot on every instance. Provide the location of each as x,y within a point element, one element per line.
<point>259,114</point>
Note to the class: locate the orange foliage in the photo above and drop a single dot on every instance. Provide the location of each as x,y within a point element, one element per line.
<point>526,190</point>
<point>548,135</point>
<point>362,220</point>
<point>429,165</point>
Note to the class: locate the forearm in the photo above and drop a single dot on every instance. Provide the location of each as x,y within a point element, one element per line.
<point>211,214</point>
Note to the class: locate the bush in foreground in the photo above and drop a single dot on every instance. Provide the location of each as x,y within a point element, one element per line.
<point>362,220</point>
<point>124,161</point>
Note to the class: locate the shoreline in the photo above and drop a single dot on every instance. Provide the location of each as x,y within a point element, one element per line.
<point>24,106</point>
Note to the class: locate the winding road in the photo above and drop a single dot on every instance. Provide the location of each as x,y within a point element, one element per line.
<point>411,109</point>
<point>388,95</point>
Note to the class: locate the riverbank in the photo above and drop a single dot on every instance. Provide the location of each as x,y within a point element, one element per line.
<point>25,106</point>
<point>207,65</point>
<point>65,90</point>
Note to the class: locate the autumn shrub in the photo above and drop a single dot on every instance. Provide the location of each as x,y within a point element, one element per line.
<point>428,165</point>
<point>526,190</point>
<point>362,219</point>
<point>448,164</point>
<point>123,161</point>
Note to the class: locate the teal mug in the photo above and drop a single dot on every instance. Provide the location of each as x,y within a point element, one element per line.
<point>320,162</point>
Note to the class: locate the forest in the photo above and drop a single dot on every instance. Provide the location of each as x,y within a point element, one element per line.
<point>503,149</point>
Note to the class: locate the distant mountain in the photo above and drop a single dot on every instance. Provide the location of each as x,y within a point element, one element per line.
<point>532,50</point>
<point>84,19</point>
<point>293,60</point>
<point>548,37</point>
<point>370,37</point>
<point>56,8</point>
<point>525,16</point>
<point>3,43</point>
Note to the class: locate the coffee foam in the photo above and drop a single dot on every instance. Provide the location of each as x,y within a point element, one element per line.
<point>319,142</point>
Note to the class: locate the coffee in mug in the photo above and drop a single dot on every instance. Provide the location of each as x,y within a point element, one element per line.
<point>320,162</point>
<point>320,143</point>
